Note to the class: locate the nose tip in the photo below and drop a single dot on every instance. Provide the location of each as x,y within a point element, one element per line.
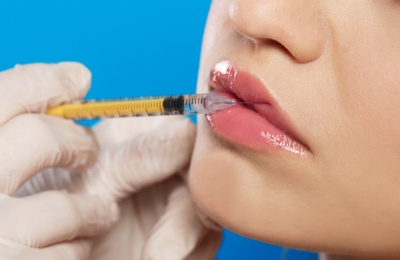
<point>296,25</point>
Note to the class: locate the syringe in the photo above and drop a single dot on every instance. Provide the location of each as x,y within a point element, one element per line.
<point>144,106</point>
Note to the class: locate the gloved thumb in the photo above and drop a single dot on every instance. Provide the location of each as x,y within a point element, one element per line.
<point>34,88</point>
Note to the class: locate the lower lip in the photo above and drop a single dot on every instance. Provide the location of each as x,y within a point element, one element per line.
<point>245,127</point>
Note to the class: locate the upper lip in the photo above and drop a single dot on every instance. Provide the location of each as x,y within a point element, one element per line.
<point>224,76</point>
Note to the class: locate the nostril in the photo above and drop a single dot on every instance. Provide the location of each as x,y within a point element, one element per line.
<point>292,26</point>
<point>277,46</point>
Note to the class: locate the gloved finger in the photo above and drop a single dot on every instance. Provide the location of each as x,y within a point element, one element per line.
<point>114,131</point>
<point>35,87</point>
<point>144,160</point>
<point>30,143</point>
<point>53,217</point>
<point>178,232</point>
<point>76,249</point>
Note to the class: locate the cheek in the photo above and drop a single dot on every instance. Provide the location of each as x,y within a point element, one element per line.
<point>368,87</point>
<point>366,63</point>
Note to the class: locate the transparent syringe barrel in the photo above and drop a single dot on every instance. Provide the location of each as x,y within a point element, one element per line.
<point>195,104</point>
<point>206,103</point>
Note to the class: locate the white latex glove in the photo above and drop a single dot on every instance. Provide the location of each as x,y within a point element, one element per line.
<point>140,161</point>
<point>42,226</point>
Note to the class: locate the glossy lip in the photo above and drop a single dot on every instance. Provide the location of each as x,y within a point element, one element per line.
<point>262,128</point>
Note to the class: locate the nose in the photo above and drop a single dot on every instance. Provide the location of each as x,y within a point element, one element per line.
<point>296,25</point>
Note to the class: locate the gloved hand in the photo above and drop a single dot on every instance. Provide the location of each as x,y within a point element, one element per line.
<point>42,226</point>
<point>160,220</point>
<point>139,165</point>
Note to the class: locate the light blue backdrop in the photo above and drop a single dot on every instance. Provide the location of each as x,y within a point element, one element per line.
<point>132,48</point>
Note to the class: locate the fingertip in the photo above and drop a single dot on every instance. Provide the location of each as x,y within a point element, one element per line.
<point>72,78</point>
<point>175,129</point>
<point>78,75</point>
<point>182,132</point>
<point>190,128</point>
<point>183,125</point>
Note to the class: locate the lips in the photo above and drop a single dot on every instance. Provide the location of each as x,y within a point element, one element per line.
<point>261,126</point>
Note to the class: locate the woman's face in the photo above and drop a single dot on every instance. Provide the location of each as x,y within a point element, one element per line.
<point>318,166</point>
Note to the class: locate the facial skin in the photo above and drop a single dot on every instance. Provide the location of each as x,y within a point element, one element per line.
<point>333,66</point>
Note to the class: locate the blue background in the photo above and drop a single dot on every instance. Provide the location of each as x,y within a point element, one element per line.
<point>132,48</point>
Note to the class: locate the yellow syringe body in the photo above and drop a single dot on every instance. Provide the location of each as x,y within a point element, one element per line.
<point>100,109</point>
<point>144,106</point>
